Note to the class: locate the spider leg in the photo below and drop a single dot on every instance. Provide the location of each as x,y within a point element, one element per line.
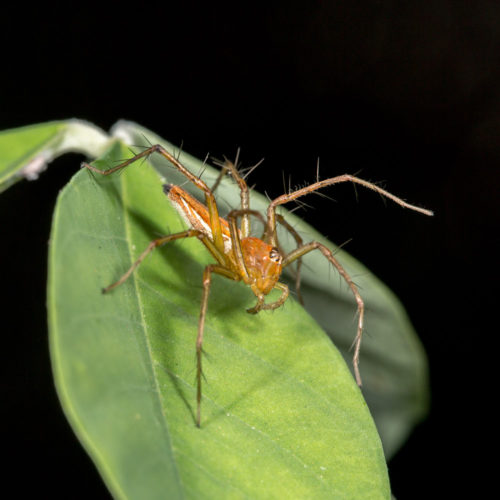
<point>270,233</point>
<point>209,197</point>
<point>207,280</point>
<point>232,168</point>
<point>281,220</point>
<point>155,243</point>
<point>221,175</point>
<point>309,247</point>
<point>224,168</point>
<point>239,260</point>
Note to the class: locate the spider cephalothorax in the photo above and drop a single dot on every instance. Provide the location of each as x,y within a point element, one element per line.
<point>263,263</point>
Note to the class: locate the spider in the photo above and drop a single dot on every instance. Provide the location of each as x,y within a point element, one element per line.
<point>258,262</point>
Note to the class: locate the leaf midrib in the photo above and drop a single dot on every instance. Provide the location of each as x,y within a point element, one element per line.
<point>151,364</point>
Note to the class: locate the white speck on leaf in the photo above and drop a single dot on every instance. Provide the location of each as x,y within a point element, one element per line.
<point>34,168</point>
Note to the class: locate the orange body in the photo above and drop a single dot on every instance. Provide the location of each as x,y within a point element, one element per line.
<point>262,261</point>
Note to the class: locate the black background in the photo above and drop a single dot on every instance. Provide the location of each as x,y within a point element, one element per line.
<point>402,92</point>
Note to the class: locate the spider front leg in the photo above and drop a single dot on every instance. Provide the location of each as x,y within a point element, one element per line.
<point>309,247</point>
<point>207,281</point>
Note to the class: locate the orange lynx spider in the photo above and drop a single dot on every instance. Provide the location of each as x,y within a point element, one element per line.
<point>258,262</point>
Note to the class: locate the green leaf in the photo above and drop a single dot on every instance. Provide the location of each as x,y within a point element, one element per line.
<point>281,414</point>
<point>393,364</point>
<point>25,152</point>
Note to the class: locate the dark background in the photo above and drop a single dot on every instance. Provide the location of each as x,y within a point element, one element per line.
<point>402,92</point>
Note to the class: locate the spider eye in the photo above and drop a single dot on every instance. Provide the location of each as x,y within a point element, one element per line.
<point>275,255</point>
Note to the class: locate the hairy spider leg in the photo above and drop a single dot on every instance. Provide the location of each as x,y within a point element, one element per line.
<point>270,233</point>
<point>207,280</point>
<point>209,197</point>
<point>270,237</point>
<point>281,220</point>
<point>152,245</point>
<point>313,245</point>
<point>232,168</point>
